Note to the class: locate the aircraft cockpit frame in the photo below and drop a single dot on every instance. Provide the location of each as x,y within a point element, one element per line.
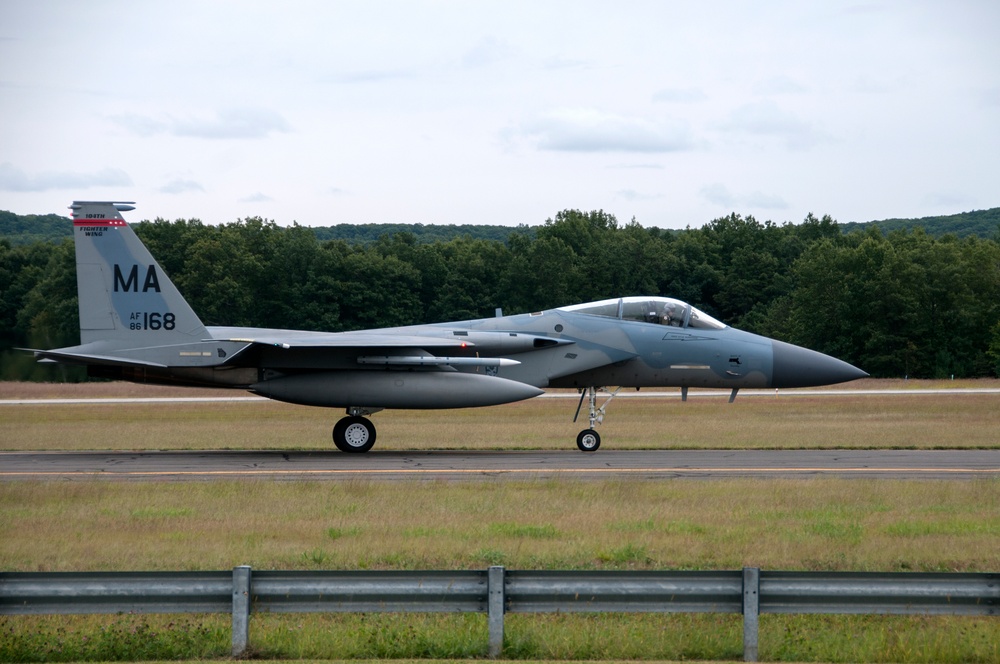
<point>649,309</point>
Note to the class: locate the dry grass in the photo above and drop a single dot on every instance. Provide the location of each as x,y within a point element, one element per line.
<point>920,420</point>
<point>825,524</point>
<point>725,524</point>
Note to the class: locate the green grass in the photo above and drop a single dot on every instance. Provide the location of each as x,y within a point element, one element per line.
<point>821,524</point>
<point>950,421</point>
<point>516,531</point>
<point>817,524</point>
<point>541,637</point>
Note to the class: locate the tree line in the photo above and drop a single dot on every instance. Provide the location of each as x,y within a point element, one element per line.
<point>982,223</point>
<point>30,228</point>
<point>898,304</point>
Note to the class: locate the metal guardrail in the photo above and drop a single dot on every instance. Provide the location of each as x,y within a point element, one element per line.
<point>497,591</point>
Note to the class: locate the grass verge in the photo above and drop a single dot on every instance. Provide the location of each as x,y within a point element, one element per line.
<point>822,524</point>
<point>904,421</point>
<point>603,637</point>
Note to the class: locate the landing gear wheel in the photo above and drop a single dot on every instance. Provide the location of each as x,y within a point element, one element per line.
<point>588,440</point>
<point>354,434</point>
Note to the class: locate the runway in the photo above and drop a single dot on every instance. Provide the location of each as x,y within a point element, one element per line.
<point>499,466</point>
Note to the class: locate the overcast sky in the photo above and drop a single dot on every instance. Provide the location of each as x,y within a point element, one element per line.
<point>674,113</point>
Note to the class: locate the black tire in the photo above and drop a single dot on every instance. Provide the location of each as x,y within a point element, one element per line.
<point>354,435</point>
<point>588,440</point>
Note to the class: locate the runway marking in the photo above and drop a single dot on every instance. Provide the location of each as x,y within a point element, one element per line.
<point>485,471</point>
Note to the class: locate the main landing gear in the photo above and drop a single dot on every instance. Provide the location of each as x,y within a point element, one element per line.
<point>589,440</point>
<point>355,433</point>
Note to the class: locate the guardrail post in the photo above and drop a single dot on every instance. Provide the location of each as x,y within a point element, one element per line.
<point>751,612</point>
<point>241,610</point>
<point>495,608</point>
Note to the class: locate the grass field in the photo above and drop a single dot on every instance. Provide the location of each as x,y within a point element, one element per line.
<point>787,420</point>
<point>823,524</point>
<point>722,524</point>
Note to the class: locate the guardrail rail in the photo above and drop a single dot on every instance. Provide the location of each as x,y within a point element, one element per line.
<point>497,591</point>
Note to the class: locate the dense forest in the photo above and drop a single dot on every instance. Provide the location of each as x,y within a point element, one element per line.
<point>981,223</point>
<point>902,303</point>
<point>21,229</point>
<point>28,229</point>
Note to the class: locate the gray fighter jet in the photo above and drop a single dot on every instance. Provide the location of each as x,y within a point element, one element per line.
<point>136,326</point>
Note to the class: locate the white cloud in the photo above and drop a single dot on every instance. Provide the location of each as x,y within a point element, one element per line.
<point>256,198</point>
<point>242,123</point>
<point>720,195</point>
<point>181,186</point>
<point>589,130</point>
<point>761,201</point>
<point>371,76</point>
<point>680,95</point>
<point>15,179</point>
<point>140,125</point>
<point>638,166</point>
<point>400,104</point>
<point>765,119</point>
<point>489,50</point>
<point>990,97</point>
<point>948,201</point>
<point>558,62</point>
<point>779,85</point>
<point>236,123</point>
<point>633,195</point>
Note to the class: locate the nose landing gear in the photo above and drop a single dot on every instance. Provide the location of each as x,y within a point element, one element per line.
<point>589,440</point>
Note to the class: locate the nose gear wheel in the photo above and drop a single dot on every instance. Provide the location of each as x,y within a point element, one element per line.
<point>589,440</point>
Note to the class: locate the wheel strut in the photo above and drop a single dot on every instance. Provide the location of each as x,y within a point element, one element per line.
<point>589,440</point>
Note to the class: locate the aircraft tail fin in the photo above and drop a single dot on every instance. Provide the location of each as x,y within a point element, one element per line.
<point>125,296</point>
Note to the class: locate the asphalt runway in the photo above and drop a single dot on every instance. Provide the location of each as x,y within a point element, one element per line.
<point>499,466</point>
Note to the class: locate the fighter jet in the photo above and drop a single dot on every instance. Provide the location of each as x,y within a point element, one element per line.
<point>136,326</point>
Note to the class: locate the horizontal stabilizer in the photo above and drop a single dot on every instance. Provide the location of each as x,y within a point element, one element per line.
<point>84,359</point>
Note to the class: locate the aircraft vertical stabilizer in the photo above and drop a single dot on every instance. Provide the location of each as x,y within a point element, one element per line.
<point>124,294</point>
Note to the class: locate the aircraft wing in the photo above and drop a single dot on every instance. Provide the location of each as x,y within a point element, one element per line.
<point>226,345</point>
<point>373,342</point>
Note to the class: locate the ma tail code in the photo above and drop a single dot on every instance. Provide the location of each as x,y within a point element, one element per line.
<point>131,283</point>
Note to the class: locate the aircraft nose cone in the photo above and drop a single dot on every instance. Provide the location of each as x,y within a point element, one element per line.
<point>795,366</point>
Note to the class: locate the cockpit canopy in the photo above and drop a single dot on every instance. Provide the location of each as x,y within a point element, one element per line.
<point>659,310</point>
